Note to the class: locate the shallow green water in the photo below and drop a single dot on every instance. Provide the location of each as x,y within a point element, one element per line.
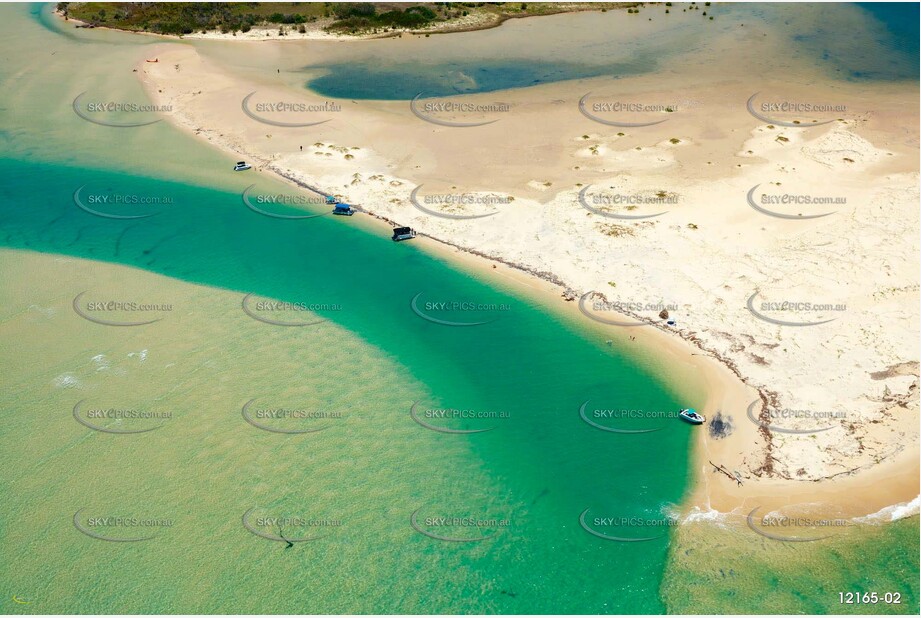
<point>538,468</point>
<point>728,569</point>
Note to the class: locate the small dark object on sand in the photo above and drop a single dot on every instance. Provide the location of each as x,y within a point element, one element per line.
<point>720,426</point>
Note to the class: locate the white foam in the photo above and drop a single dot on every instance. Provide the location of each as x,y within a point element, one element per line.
<point>66,380</point>
<point>102,363</point>
<point>142,355</point>
<point>45,311</point>
<point>670,511</point>
<point>697,514</point>
<point>892,512</point>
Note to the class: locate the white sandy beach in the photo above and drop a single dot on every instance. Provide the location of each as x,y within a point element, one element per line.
<point>854,378</point>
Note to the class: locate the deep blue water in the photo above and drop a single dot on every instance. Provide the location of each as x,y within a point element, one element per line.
<point>901,20</point>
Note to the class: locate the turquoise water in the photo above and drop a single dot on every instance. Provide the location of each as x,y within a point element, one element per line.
<point>543,458</point>
<point>540,467</point>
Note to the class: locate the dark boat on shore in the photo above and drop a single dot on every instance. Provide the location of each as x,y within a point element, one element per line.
<point>403,233</point>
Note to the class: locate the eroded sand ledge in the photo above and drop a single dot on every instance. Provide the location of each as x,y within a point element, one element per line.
<point>706,256</point>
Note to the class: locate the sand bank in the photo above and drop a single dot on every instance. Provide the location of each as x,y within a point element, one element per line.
<point>797,413</point>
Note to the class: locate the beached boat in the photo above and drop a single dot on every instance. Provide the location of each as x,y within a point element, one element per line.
<point>691,416</point>
<point>241,166</point>
<point>343,209</point>
<point>403,233</point>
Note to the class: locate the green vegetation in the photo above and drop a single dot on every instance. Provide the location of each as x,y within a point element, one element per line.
<point>364,16</point>
<point>178,18</point>
<point>187,17</point>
